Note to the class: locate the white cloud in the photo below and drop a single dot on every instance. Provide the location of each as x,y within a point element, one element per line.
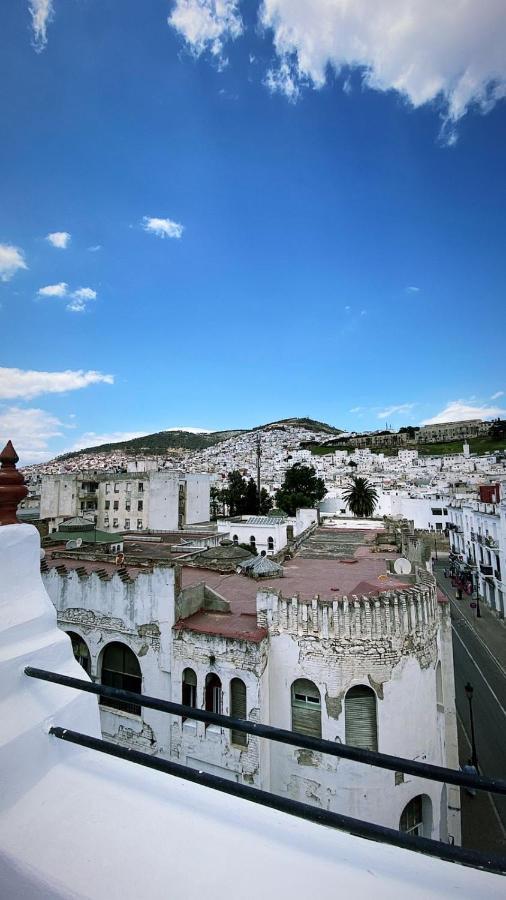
<point>41,12</point>
<point>162,227</point>
<point>27,384</point>
<point>206,24</point>
<point>54,290</point>
<point>29,430</point>
<point>95,248</point>
<point>461,410</point>
<point>59,239</point>
<point>395,410</point>
<point>11,260</point>
<point>412,289</point>
<point>80,298</point>
<point>452,52</point>
<point>497,395</point>
<point>284,80</point>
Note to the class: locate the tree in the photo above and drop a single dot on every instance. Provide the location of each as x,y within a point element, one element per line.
<point>236,491</point>
<point>265,502</point>
<point>250,499</point>
<point>361,497</point>
<point>301,489</point>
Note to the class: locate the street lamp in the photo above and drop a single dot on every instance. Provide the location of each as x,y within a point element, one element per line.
<point>477,585</point>
<point>469,694</point>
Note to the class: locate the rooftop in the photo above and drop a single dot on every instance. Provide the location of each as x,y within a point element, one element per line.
<point>304,576</point>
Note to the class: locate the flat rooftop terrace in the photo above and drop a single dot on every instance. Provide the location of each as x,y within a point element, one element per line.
<point>363,572</point>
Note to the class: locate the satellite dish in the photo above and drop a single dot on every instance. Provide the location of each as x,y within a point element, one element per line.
<point>402,566</point>
<point>73,545</point>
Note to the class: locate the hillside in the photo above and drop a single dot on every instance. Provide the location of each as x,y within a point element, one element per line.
<point>162,441</point>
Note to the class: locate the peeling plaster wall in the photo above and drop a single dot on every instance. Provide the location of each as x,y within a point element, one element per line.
<point>210,748</point>
<point>139,614</point>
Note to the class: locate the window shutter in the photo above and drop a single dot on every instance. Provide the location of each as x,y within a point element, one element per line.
<point>306,708</point>
<point>238,709</point>
<point>360,718</point>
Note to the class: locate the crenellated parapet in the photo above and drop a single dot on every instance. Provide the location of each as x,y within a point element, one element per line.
<point>389,614</point>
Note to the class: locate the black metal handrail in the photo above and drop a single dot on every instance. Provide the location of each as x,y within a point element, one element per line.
<point>357,827</point>
<point>345,751</point>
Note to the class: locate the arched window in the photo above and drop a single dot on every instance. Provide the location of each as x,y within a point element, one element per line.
<point>214,695</point>
<point>252,541</point>
<point>188,689</point>
<point>238,709</point>
<point>416,816</point>
<point>439,688</point>
<point>235,539</point>
<point>306,708</point>
<point>81,652</point>
<point>270,544</point>
<point>360,718</point>
<point>120,669</point>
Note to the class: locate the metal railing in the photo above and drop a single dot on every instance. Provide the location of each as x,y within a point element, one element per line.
<point>449,852</point>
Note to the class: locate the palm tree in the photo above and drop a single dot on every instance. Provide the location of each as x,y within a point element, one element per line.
<point>361,497</point>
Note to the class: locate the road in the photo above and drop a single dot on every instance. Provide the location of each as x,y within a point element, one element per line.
<point>477,660</point>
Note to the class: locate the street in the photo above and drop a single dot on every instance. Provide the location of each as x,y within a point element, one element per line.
<point>479,651</point>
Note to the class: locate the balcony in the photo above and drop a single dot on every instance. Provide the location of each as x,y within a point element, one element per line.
<point>491,542</point>
<point>487,571</point>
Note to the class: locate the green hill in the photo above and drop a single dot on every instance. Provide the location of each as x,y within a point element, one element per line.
<point>162,441</point>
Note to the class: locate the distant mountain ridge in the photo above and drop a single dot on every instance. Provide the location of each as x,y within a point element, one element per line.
<point>161,441</point>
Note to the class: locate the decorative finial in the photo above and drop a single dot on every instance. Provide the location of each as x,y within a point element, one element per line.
<point>12,486</point>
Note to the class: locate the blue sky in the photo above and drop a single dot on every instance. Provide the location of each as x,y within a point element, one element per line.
<point>231,217</point>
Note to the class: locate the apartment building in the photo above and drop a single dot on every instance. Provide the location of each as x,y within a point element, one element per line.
<point>128,501</point>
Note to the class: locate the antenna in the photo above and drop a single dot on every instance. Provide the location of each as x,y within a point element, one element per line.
<point>259,454</point>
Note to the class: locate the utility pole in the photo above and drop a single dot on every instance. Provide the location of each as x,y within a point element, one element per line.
<point>259,454</point>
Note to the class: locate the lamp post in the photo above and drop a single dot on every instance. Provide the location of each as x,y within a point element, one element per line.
<point>477,583</point>
<point>435,544</point>
<point>469,694</point>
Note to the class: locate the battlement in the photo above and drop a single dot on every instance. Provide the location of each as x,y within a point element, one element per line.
<point>387,614</point>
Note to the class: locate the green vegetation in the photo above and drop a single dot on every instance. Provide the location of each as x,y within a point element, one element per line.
<point>240,498</point>
<point>301,489</point>
<point>163,441</point>
<point>361,497</point>
<point>479,445</point>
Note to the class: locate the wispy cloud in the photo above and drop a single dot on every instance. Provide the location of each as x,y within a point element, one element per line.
<point>59,239</point>
<point>28,383</point>
<point>80,298</point>
<point>11,261</point>
<point>207,25</point>
<point>412,289</point>
<point>497,395</point>
<point>462,410</point>
<point>42,12</point>
<point>162,227</point>
<point>94,248</point>
<point>396,410</point>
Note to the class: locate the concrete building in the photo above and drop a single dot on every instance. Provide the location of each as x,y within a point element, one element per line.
<point>478,540</point>
<point>130,501</point>
<point>345,665</point>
